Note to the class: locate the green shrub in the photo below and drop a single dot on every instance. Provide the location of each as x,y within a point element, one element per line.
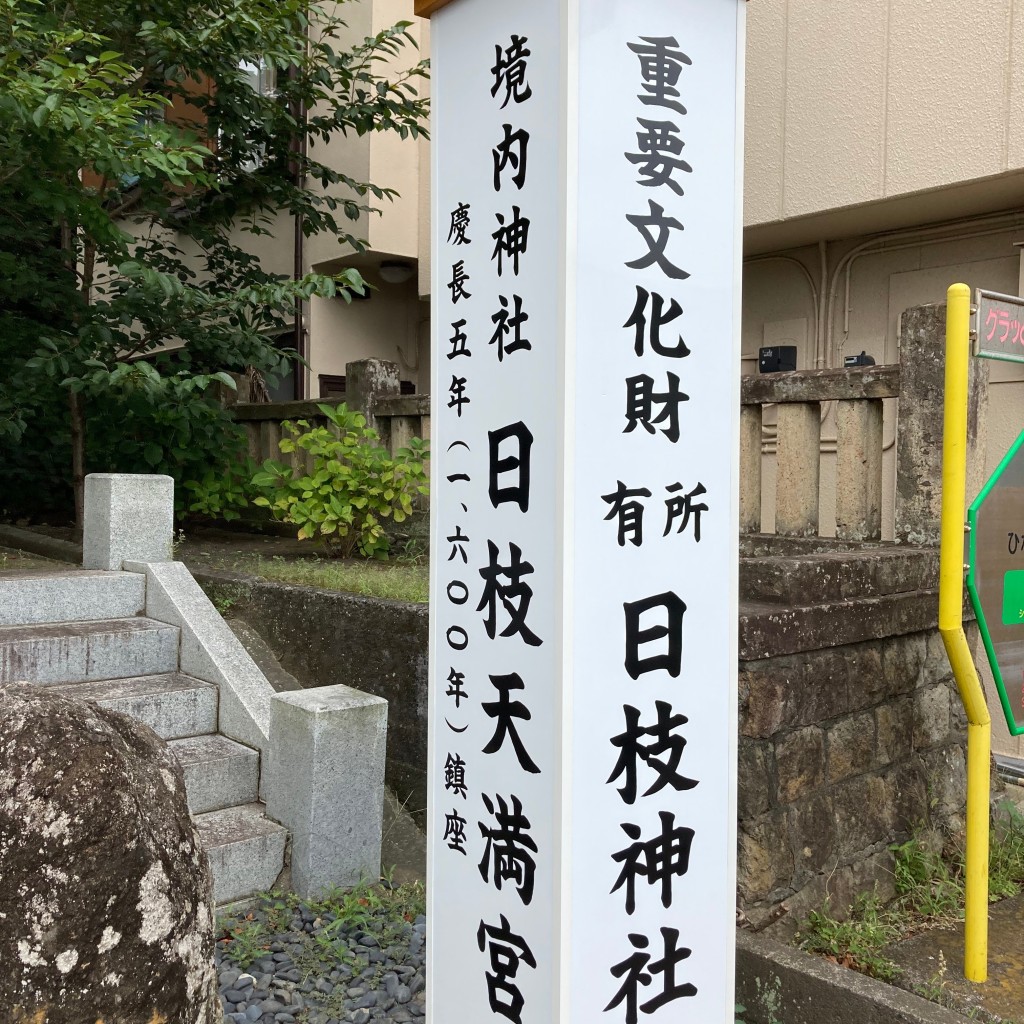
<point>354,483</point>
<point>1006,852</point>
<point>244,942</point>
<point>156,420</point>
<point>929,885</point>
<point>218,493</point>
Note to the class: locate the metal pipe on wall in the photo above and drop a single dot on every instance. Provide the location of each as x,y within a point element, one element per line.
<point>951,231</point>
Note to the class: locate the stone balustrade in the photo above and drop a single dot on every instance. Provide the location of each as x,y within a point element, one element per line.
<point>858,393</point>
<point>802,399</point>
<point>372,388</point>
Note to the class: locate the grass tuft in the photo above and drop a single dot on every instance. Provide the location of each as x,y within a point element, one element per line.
<point>342,917</point>
<point>12,560</point>
<point>929,894</point>
<point>244,941</point>
<point>858,940</point>
<point>397,580</point>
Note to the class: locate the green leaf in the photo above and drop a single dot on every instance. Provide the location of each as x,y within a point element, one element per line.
<point>78,90</point>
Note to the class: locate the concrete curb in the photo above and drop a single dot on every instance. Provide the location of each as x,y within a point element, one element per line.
<point>40,544</point>
<point>777,983</point>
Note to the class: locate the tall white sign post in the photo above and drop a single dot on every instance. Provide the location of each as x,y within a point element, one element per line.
<point>586,267</point>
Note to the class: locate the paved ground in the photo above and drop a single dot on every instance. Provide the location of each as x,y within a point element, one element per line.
<point>12,560</point>
<point>207,545</point>
<point>213,546</point>
<point>933,962</point>
<point>403,851</point>
<point>217,547</point>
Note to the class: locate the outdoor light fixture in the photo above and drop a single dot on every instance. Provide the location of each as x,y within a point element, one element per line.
<point>396,271</point>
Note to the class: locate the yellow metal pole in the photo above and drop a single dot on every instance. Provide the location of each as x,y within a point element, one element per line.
<point>951,600</point>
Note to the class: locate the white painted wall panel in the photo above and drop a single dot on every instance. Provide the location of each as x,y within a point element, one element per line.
<point>947,93</point>
<point>765,106</point>
<point>835,104</point>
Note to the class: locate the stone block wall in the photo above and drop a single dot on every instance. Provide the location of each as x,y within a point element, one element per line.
<point>852,735</point>
<point>842,751</point>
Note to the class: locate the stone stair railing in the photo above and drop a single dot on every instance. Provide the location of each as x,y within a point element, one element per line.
<point>133,631</point>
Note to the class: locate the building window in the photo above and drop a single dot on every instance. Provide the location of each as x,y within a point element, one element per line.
<point>262,79</point>
<point>331,386</point>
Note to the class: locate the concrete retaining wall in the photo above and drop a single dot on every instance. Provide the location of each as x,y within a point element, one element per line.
<point>324,637</point>
<point>851,732</point>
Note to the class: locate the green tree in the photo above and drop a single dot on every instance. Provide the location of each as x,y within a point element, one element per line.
<point>136,160</point>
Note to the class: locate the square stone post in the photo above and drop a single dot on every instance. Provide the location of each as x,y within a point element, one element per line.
<point>750,469</point>
<point>128,517</point>
<point>799,469</point>
<point>366,380</point>
<point>859,469</point>
<point>326,783</point>
<point>919,426</point>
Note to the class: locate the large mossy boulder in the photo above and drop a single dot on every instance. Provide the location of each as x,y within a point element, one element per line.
<point>105,894</point>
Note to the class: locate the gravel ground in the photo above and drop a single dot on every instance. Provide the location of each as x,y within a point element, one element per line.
<point>349,959</point>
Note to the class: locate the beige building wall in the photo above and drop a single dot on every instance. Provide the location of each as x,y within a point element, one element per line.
<point>851,104</point>
<point>274,249</point>
<point>857,147</point>
<point>349,153</point>
<point>388,325</point>
<point>884,151</point>
<point>383,158</point>
<point>423,209</point>
<point>395,161</point>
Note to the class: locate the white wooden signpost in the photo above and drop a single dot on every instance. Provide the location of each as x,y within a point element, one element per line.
<point>586,225</point>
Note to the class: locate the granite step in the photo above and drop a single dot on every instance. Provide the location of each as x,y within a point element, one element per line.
<point>173,704</point>
<point>219,772</point>
<point>28,598</point>
<point>245,848</point>
<point>78,652</point>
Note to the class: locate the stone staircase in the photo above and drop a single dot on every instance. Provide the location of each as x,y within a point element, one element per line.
<point>85,633</point>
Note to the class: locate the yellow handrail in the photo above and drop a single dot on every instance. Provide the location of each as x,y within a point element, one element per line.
<point>951,628</point>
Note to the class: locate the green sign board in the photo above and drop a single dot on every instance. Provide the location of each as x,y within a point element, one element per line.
<point>995,578</point>
<point>1013,597</point>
